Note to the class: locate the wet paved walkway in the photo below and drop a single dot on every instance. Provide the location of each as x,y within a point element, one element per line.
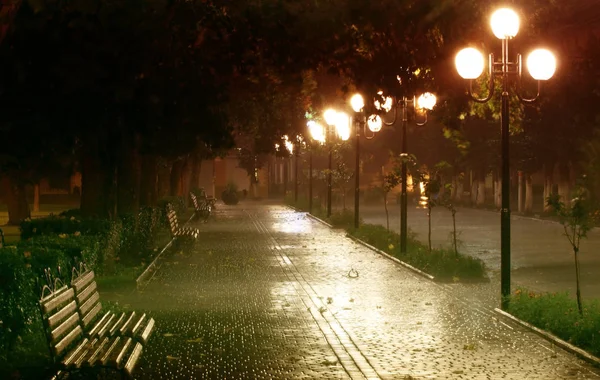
<point>268,293</point>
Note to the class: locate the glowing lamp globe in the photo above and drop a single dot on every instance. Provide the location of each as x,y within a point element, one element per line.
<point>426,101</point>
<point>374,123</point>
<point>541,64</point>
<point>342,126</point>
<point>330,116</point>
<point>357,102</point>
<point>505,23</point>
<point>469,63</point>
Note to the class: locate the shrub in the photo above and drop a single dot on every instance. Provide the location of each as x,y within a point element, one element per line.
<point>230,195</point>
<point>53,225</point>
<point>443,264</point>
<point>177,202</point>
<point>17,298</point>
<point>558,313</point>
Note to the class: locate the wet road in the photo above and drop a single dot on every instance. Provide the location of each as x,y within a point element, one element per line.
<point>541,254</point>
<point>268,293</point>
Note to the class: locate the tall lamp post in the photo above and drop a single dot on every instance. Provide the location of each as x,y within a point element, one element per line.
<point>425,101</point>
<point>357,102</point>
<point>317,133</point>
<point>470,64</point>
<point>338,123</point>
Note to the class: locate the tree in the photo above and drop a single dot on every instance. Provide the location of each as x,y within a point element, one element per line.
<point>577,218</point>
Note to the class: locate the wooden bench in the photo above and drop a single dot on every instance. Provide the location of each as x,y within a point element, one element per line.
<point>176,230</point>
<point>70,349</point>
<point>202,207</point>
<point>98,323</point>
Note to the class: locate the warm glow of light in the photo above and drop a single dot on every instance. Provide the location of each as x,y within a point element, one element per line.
<point>469,63</point>
<point>426,101</point>
<point>288,144</point>
<point>330,116</point>
<point>357,102</point>
<point>387,104</point>
<point>505,23</point>
<point>541,64</point>
<point>317,131</point>
<point>342,126</point>
<point>374,123</point>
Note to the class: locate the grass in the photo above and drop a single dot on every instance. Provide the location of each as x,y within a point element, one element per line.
<point>557,313</point>
<point>443,264</point>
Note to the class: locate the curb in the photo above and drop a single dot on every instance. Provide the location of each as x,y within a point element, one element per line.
<point>553,339</point>
<point>390,257</point>
<point>385,254</point>
<point>319,220</point>
<point>311,216</point>
<point>149,271</point>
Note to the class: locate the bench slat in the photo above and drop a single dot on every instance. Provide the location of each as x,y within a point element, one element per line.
<point>138,325</point>
<point>99,326</point>
<point>96,355</point>
<point>72,356</point>
<point>83,280</point>
<point>133,359</point>
<point>67,340</point>
<point>60,315</point>
<point>116,327</point>
<point>92,314</point>
<point>89,304</point>
<point>127,324</point>
<point>122,353</point>
<point>54,301</point>
<point>115,343</point>
<point>65,327</point>
<point>86,292</point>
<point>147,331</point>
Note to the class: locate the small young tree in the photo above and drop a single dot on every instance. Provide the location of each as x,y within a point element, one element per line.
<point>436,193</point>
<point>341,179</point>
<point>577,219</point>
<point>390,180</point>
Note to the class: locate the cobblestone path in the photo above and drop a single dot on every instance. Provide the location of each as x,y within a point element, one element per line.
<point>268,293</point>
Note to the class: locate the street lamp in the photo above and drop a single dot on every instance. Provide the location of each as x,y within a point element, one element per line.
<point>339,123</point>
<point>357,102</point>
<point>424,102</point>
<point>317,132</point>
<point>470,64</point>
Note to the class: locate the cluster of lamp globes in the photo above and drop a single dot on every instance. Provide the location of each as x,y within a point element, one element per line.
<point>470,63</point>
<point>541,63</point>
<point>341,122</point>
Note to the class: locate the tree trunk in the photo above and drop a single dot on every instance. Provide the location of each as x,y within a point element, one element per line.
<point>16,200</point>
<point>128,179</point>
<point>36,197</point>
<point>196,164</point>
<point>564,184</point>
<point>164,178</point>
<point>175,182</point>
<point>459,189</point>
<point>548,174</point>
<point>186,178</point>
<point>528,194</point>
<point>148,180</point>
<point>474,191</point>
<point>577,273</point>
<point>97,181</point>
<point>480,189</point>
<point>520,186</point>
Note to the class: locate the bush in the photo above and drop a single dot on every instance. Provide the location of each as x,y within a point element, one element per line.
<point>443,264</point>
<point>558,314</point>
<point>177,202</point>
<point>18,309</point>
<point>54,225</point>
<point>230,195</point>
